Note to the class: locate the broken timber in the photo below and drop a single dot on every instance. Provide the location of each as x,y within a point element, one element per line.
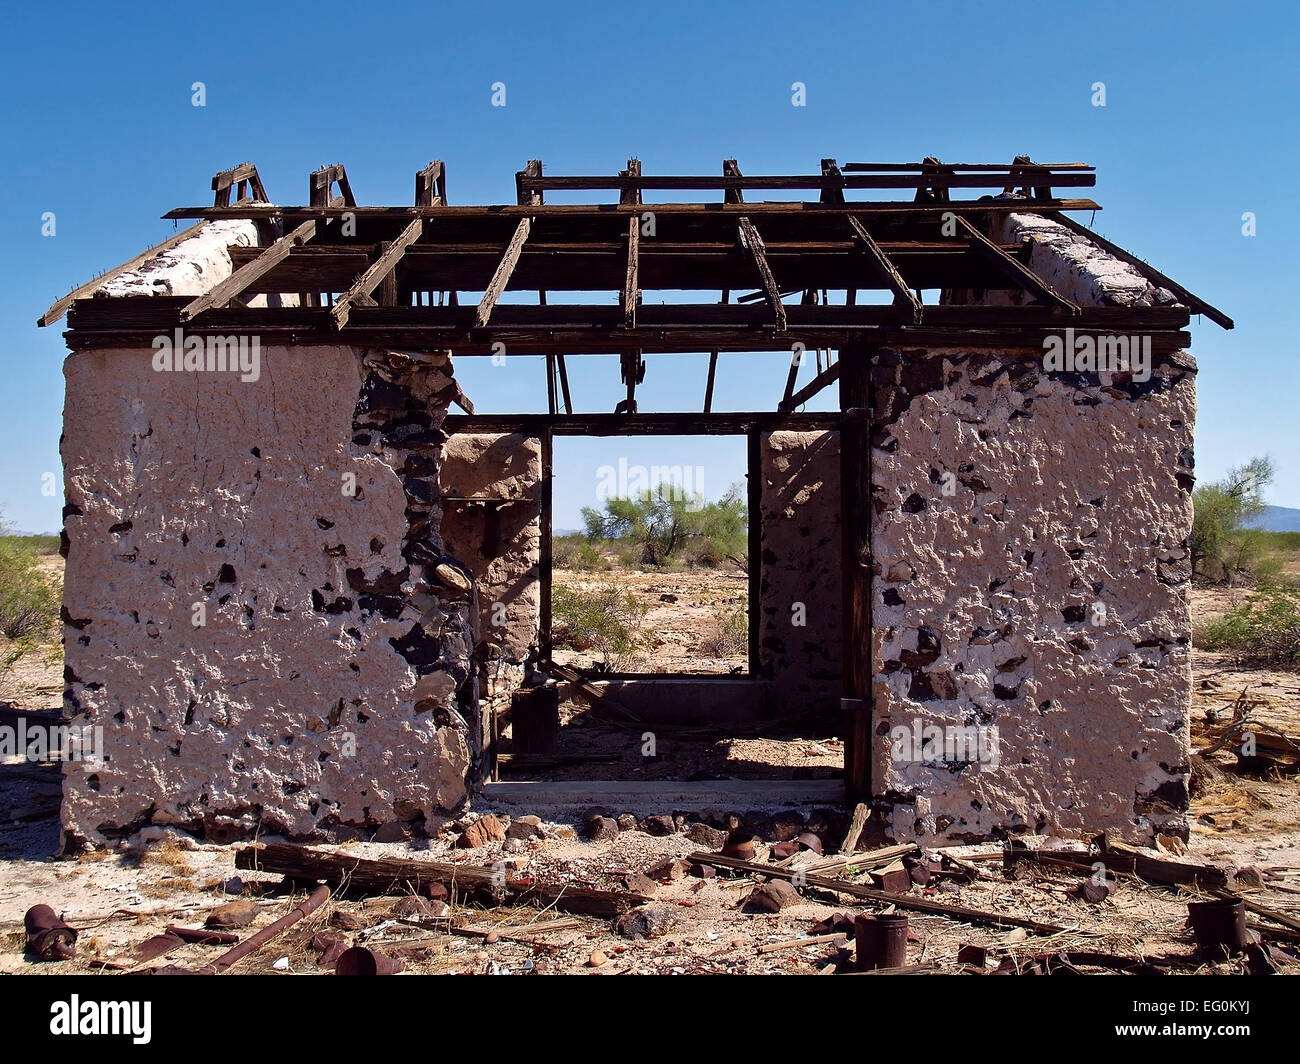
<point>880,897</point>
<point>392,875</point>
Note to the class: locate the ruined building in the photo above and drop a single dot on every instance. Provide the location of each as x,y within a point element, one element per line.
<point>295,574</point>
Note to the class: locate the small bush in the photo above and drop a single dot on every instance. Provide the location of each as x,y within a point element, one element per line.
<point>578,552</point>
<point>29,605</point>
<point>1265,629</point>
<point>607,619</point>
<point>728,634</point>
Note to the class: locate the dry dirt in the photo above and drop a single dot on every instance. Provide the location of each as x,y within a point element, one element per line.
<point>119,899</point>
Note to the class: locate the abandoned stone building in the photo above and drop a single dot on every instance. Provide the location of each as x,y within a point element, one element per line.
<point>304,594</point>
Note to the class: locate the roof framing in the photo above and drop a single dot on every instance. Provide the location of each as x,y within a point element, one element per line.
<point>422,258</point>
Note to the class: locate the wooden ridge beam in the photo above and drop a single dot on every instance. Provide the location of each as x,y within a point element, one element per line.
<point>886,270</point>
<point>1014,269</point>
<point>321,181</point>
<point>753,243</point>
<point>245,275</point>
<point>60,306</point>
<point>792,208</point>
<point>382,267</point>
<point>853,180</point>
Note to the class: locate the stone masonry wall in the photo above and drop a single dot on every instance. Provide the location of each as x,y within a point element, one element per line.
<point>800,636</point>
<point>257,607</point>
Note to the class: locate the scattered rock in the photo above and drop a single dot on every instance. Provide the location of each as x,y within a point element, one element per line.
<point>626,822</point>
<point>435,891</point>
<point>411,908</point>
<point>649,921</point>
<point>1248,877</point>
<point>773,896</point>
<point>601,829</point>
<point>1171,844</point>
<point>393,831</point>
<point>482,831</point>
<point>346,921</point>
<point>525,827</point>
<point>638,883</point>
<point>671,870</point>
<point>1093,891</point>
<point>596,959</point>
<point>709,838</point>
<point>659,825</point>
<point>786,825</point>
<point>238,913</point>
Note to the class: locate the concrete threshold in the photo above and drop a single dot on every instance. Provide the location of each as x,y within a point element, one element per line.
<point>660,796</point>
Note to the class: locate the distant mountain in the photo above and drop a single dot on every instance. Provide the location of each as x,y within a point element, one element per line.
<point>1277,519</point>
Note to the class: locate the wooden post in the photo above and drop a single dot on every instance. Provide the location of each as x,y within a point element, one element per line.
<point>754,450</point>
<point>545,551</point>
<point>856,513</point>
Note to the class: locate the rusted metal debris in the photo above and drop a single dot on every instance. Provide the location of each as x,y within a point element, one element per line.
<point>48,936</point>
<point>881,941</point>
<point>254,942</point>
<point>1219,927</point>
<point>361,961</point>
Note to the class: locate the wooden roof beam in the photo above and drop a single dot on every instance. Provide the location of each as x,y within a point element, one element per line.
<point>1014,269</point>
<point>501,276</point>
<point>359,295</point>
<point>753,243</point>
<point>633,249</point>
<point>886,270</point>
<point>60,306</point>
<point>238,281</point>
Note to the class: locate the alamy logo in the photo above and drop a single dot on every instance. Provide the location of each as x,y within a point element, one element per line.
<point>952,743</point>
<point>51,742</point>
<point>634,481</point>
<point>1098,354</point>
<point>179,353</point>
<point>79,1017</point>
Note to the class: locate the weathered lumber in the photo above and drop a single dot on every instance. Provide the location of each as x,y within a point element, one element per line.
<point>633,263</point>
<point>501,275</point>
<point>885,269</point>
<point>238,281</point>
<point>60,306</point>
<point>1144,866</point>
<point>753,243</point>
<point>393,875</point>
<point>880,897</point>
<point>359,293</point>
<point>1014,269</point>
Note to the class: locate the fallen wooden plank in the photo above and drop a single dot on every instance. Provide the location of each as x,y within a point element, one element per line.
<point>1152,869</point>
<point>526,933</point>
<point>394,875</point>
<point>880,897</point>
<point>811,940</point>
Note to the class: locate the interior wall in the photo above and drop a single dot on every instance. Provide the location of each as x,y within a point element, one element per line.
<point>499,540</point>
<point>800,635</point>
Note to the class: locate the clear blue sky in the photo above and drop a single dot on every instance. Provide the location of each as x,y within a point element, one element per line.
<point>1200,126</point>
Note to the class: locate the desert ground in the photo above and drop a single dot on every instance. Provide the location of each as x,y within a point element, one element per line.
<point>695,921</point>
